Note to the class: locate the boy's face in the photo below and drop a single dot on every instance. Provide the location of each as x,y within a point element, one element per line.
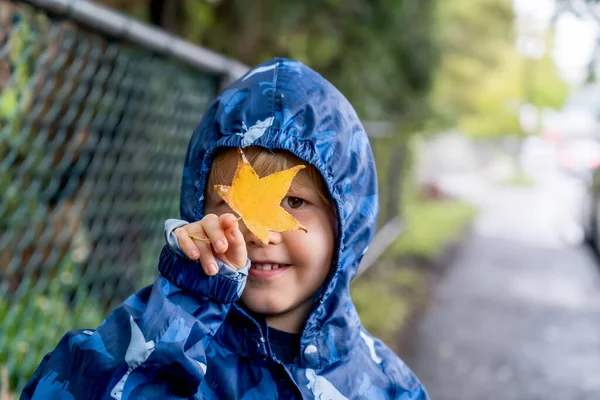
<point>302,259</point>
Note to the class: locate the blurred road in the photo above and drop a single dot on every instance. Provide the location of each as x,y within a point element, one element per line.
<point>546,214</point>
<point>517,315</point>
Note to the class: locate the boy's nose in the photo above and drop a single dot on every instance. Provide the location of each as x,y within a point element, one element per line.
<point>251,238</point>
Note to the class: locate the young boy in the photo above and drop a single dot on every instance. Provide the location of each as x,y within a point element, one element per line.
<point>237,318</point>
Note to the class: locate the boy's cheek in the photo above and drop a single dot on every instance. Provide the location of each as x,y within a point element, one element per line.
<point>319,223</point>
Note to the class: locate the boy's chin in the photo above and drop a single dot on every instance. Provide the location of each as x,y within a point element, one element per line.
<point>262,305</point>
<point>287,313</point>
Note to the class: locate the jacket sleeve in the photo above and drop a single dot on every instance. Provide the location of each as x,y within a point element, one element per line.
<point>152,346</point>
<point>170,238</point>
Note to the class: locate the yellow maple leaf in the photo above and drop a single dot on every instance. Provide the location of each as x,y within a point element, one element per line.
<point>258,200</point>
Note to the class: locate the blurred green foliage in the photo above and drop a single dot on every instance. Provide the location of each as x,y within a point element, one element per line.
<point>381,54</point>
<point>424,64</point>
<point>482,78</point>
<point>49,315</point>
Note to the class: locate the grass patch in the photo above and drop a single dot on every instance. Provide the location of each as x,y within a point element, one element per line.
<point>384,299</point>
<point>520,179</point>
<point>430,226</point>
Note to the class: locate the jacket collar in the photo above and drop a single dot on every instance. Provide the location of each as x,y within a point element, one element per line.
<point>320,345</point>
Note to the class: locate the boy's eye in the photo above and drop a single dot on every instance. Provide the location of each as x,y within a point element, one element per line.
<point>294,202</point>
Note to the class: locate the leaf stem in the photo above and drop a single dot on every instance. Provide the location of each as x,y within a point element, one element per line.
<point>194,237</point>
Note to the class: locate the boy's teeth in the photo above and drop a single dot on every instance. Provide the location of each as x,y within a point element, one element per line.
<point>265,267</point>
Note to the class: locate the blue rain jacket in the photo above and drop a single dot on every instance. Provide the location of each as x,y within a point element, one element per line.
<point>185,336</point>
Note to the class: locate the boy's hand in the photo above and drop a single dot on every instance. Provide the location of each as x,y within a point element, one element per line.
<point>226,242</point>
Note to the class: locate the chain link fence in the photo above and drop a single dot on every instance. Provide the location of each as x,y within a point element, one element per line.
<point>94,126</point>
<point>93,134</point>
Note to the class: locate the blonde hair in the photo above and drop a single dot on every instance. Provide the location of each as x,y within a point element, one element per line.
<point>265,162</point>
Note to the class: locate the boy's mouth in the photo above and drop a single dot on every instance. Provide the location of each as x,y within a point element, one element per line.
<point>265,270</point>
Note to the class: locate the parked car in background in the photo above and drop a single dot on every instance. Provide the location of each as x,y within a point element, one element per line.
<point>591,210</point>
<point>579,156</point>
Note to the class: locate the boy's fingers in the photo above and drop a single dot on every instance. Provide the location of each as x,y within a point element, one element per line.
<point>228,221</point>
<point>193,226</point>
<point>186,244</point>
<point>212,227</point>
<point>207,259</point>
<point>237,253</point>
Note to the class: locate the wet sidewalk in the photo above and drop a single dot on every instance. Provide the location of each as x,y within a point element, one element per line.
<point>512,321</point>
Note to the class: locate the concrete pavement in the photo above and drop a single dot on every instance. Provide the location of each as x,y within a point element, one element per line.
<point>512,321</point>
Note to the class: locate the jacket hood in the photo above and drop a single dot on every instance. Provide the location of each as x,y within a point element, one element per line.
<point>283,104</point>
